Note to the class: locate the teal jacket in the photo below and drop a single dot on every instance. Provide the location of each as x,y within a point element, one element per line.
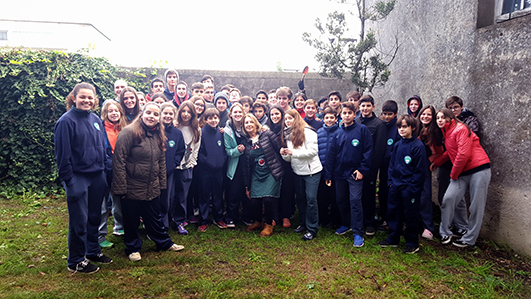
<point>231,147</point>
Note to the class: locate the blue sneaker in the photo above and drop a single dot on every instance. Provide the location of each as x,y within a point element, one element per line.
<point>182,230</point>
<point>343,230</point>
<point>358,241</point>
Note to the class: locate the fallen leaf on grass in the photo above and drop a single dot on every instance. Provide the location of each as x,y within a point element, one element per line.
<point>42,273</point>
<point>461,288</point>
<point>31,266</point>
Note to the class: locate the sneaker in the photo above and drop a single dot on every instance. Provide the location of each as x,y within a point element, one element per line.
<point>106,244</point>
<point>192,219</point>
<point>343,230</point>
<point>426,234</point>
<point>286,223</point>
<point>300,229</point>
<point>182,230</point>
<point>358,241</point>
<point>185,223</point>
<point>230,224</point>
<point>176,247</point>
<point>135,257</point>
<point>410,249</point>
<point>446,240</point>
<point>383,226</point>
<point>119,232</point>
<point>84,267</point>
<point>247,222</point>
<point>220,224</point>
<point>369,231</point>
<point>308,236</point>
<point>100,258</point>
<point>386,243</point>
<point>459,233</point>
<point>202,228</point>
<point>459,243</point>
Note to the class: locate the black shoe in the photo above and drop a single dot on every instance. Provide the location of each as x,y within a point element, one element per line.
<point>84,267</point>
<point>308,236</point>
<point>410,249</point>
<point>369,231</point>
<point>386,243</point>
<point>458,233</point>
<point>100,258</point>
<point>300,229</point>
<point>459,243</point>
<point>446,240</point>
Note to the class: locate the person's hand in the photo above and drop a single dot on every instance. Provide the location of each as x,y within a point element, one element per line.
<point>433,167</point>
<point>221,130</point>
<point>248,192</point>
<point>241,148</point>
<point>357,175</point>
<point>328,183</point>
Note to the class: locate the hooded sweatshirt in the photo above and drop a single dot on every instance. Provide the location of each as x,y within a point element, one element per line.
<point>420,105</point>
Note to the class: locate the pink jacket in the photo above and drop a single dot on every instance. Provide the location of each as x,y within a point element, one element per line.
<point>464,151</point>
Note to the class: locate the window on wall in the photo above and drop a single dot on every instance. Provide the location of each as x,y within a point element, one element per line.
<point>510,6</point>
<point>3,35</point>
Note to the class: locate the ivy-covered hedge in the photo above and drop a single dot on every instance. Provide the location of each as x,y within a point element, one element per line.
<point>33,88</point>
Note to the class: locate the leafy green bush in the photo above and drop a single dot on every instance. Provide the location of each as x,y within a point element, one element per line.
<point>33,88</point>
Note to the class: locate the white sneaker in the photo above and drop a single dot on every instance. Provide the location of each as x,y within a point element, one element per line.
<point>176,247</point>
<point>135,257</point>
<point>426,234</point>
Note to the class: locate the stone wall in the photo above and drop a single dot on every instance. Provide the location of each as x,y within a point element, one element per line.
<point>442,53</point>
<point>251,82</point>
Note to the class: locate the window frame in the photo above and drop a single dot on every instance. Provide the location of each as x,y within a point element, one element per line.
<point>500,17</point>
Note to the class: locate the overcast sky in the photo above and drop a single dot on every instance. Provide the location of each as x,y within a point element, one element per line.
<point>216,35</point>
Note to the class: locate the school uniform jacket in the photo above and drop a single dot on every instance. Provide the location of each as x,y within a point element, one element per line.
<point>79,144</point>
<point>212,155</point>
<point>408,166</point>
<point>378,132</point>
<point>350,150</point>
<point>139,169</point>
<point>174,148</point>
<point>464,151</point>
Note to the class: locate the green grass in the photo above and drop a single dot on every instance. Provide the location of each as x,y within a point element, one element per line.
<point>233,263</point>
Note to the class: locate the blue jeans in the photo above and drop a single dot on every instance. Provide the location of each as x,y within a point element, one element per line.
<point>348,196</point>
<point>308,210</point>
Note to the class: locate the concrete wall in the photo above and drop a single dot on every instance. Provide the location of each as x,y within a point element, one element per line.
<point>442,53</point>
<point>251,82</point>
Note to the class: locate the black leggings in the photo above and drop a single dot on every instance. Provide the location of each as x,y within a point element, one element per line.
<point>268,203</point>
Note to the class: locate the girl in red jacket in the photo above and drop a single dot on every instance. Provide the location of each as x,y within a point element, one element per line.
<point>471,170</point>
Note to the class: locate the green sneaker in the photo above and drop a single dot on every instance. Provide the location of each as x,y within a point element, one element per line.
<point>106,244</point>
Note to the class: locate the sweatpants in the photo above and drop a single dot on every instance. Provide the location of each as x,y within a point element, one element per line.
<point>460,220</point>
<point>403,207</point>
<point>149,210</point>
<point>383,189</point>
<point>369,200</point>
<point>326,202</point>
<point>426,206</point>
<point>211,182</point>
<point>237,197</point>
<point>478,183</point>
<point>348,196</point>
<point>84,195</point>
<point>166,199</point>
<point>179,207</point>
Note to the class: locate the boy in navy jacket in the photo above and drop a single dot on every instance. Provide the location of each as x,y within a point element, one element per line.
<point>348,162</point>
<point>389,111</point>
<point>407,171</point>
<point>378,132</point>
<point>211,158</point>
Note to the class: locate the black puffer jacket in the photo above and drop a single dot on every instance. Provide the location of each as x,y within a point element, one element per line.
<point>139,169</point>
<point>271,145</point>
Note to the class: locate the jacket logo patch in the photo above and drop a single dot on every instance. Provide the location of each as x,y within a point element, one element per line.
<point>219,142</point>
<point>171,143</point>
<point>355,142</point>
<point>97,126</point>
<point>261,162</point>
<point>390,141</point>
<point>407,159</point>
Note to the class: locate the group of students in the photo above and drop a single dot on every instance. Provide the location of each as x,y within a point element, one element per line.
<point>174,157</point>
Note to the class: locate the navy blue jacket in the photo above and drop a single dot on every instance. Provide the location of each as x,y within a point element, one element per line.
<point>391,138</point>
<point>212,155</point>
<point>350,150</point>
<point>408,166</point>
<point>169,95</point>
<point>324,138</point>
<point>314,123</point>
<point>378,132</point>
<point>174,148</point>
<point>79,144</point>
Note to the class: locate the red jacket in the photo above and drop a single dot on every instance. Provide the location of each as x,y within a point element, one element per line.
<point>464,151</point>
